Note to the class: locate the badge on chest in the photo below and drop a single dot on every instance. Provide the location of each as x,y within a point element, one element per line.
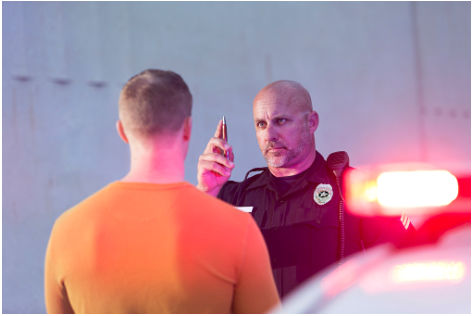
<point>323,194</point>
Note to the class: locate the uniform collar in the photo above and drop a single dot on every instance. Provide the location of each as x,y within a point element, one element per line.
<point>313,174</point>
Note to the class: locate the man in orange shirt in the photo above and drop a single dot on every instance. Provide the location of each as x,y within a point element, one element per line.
<point>151,242</point>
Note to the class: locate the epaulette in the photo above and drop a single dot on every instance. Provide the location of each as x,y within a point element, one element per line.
<point>255,170</point>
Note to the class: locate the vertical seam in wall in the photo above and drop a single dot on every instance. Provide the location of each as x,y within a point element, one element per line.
<point>419,86</point>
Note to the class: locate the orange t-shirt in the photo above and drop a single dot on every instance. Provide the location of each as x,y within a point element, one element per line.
<point>157,248</point>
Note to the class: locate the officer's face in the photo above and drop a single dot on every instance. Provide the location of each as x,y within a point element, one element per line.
<point>282,128</point>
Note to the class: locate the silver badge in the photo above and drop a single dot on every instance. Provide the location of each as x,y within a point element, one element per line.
<point>323,194</point>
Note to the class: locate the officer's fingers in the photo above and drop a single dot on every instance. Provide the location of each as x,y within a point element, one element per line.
<point>220,159</point>
<point>208,165</point>
<point>232,156</point>
<point>219,130</point>
<point>210,148</point>
<point>216,158</point>
<point>217,143</point>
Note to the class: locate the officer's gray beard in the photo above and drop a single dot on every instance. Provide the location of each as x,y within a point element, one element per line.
<point>281,161</point>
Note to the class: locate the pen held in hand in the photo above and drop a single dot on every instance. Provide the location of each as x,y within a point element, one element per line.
<point>224,134</point>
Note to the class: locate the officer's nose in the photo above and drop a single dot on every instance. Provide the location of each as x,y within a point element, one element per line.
<point>271,134</point>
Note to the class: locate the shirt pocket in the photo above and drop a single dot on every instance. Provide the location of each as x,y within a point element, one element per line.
<point>315,241</point>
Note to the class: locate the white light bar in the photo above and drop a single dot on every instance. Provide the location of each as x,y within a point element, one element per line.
<point>416,188</point>
<point>429,271</point>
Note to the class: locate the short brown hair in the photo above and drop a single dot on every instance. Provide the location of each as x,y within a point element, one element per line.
<point>155,102</point>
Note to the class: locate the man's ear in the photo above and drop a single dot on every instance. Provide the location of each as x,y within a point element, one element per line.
<point>187,128</point>
<point>313,120</point>
<point>120,130</point>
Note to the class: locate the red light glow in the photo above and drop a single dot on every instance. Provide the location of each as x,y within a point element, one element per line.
<point>428,271</point>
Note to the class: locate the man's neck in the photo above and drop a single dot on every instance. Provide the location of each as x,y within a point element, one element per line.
<point>163,164</point>
<point>152,177</point>
<point>294,169</point>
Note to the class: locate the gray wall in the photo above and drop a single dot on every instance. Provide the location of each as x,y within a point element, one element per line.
<point>390,81</point>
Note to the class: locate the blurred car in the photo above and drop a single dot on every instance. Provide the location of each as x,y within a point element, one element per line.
<point>429,272</point>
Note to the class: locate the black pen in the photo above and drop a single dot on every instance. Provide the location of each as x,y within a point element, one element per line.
<point>224,136</point>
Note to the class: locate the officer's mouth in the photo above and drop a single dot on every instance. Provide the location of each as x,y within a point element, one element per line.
<point>275,150</point>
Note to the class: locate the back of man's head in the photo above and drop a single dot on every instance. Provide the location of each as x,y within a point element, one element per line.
<point>154,102</point>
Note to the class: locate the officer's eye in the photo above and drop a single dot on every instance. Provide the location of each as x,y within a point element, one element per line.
<point>281,121</point>
<point>261,124</point>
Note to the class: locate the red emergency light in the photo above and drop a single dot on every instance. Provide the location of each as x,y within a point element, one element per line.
<point>391,190</point>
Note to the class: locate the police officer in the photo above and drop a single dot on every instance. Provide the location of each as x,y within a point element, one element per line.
<point>296,199</point>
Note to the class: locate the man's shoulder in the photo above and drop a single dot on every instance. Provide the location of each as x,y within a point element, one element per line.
<point>205,201</point>
<point>72,222</point>
<point>84,207</point>
<point>212,214</point>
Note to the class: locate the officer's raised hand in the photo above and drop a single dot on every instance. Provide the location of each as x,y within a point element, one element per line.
<point>213,168</point>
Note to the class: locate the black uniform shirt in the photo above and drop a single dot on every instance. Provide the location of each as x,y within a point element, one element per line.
<point>302,236</point>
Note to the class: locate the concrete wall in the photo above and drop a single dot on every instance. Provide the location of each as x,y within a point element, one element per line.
<point>390,80</point>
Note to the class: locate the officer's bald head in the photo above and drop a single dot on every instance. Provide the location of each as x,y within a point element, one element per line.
<point>288,91</point>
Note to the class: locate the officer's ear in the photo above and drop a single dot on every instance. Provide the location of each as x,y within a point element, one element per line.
<point>313,121</point>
